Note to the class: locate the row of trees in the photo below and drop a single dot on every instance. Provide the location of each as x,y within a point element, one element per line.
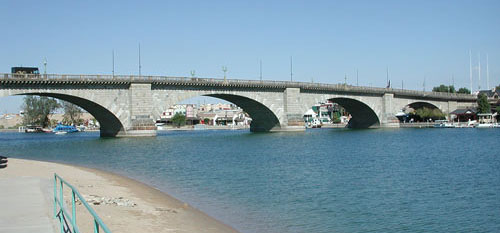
<point>425,114</point>
<point>38,108</point>
<point>450,89</point>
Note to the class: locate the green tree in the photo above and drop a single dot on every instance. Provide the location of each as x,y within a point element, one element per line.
<point>72,113</point>
<point>53,122</point>
<point>440,88</point>
<point>463,90</point>
<point>179,120</point>
<point>444,88</point>
<point>451,89</point>
<point>37,110</point>
<point>482,104</point>
<point>429,113</point>
<point>336,117</point>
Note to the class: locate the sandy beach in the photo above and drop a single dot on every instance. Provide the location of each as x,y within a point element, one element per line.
<point>124,205</point>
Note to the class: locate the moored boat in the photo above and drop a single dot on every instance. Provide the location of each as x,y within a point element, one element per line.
<point>443,124</point>
<point>33,129</point>
<point>65,128</point>
<point>484,125</point>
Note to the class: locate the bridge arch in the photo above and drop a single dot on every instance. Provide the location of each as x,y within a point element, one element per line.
<point>263,119</point>
<point>110,125</point>
<point>363,116</point>
<point>264,113</point>
<point>366,111</point>
<point>415,105</point>
<point>422,104</point>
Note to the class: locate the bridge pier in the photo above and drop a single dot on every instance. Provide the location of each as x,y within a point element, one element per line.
<point>141,122</point>
<point>293,116</point>
<point>136,133</point>
<point>388,118</point>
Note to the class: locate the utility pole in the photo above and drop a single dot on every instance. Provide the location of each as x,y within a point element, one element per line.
<point>470,69</point>
<point>357,78</point>
<point>479,72</point>
<point>260,62</point>
<point>224,69</point>
<point>139,59</point>
<point>424,83</point>
<point>387,73</point>
<point>291,69</point>
<point>487,73</point>
<point>113,62</point>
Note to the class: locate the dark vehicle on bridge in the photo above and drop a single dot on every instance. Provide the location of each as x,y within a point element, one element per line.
<point>25,70</point>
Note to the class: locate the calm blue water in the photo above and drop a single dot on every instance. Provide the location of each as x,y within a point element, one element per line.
<point>405,180</point>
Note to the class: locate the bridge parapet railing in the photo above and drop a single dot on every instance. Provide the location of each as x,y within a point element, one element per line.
<point>219,81</point>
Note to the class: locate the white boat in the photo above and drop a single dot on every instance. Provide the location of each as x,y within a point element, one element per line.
<point>484,125</point>
<point>311,119</point>
<point>443,124</point>
<point>315,123</point>
<point>61,132</point>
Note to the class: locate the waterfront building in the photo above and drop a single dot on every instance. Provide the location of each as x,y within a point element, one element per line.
<point>464,115</point>
<point>208,114</point>
<point>491,94</point>
<point>487,118</point>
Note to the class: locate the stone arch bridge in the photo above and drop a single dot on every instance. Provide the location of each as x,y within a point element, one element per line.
<point>129,105</point>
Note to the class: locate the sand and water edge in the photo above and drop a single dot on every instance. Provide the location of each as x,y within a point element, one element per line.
<point>124,204</point>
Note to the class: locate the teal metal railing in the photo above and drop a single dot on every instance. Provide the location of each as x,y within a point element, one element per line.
<point>68,222</point>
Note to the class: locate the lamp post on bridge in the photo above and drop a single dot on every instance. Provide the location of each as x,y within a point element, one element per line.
<point>224,69</point>
<point>45,66</point>
<point>260,62</point>
<point>357,77</point>
<point>113,62</point>
<point>140,60</point>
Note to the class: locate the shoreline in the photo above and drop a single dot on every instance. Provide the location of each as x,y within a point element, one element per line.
<point>146,208</point>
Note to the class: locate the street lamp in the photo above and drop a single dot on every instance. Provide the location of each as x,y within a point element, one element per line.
<point>224,69</point>
<point>113,62</point>
<point>260,62</point>
<point>45,66</point>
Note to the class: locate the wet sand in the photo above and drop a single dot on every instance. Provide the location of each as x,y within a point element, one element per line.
<point>124,205</point>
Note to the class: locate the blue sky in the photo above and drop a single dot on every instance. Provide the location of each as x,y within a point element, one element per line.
<point>327,39</point>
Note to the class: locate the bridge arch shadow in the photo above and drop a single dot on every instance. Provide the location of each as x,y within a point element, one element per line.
<point>110,125</point>
<point>363,115</point>
<point>417,105</point>
<point>263,118</point>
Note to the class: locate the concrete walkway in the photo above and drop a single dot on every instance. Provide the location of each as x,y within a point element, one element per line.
<point>25,205</point>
